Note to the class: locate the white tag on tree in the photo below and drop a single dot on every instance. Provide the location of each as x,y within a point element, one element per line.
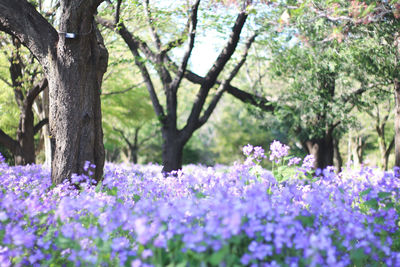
<point>70,35</point>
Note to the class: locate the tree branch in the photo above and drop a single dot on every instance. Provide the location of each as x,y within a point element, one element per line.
<point>122,91</point>
<point>34,92</point>
<point>8,142</point>
<point>181,39</point>
<point>20,19</point>
<point>153,31</point>
<point>134,44</point>
<point>192,34</point>
<point>228,50</point>
<point>252,99</point>
<point>40,125</point>
<point>390,148</point>
<point>123,136</point>
<point>5,81</point>
<point>16,73</point>
<point>117,12</point>
<point>224,85</point>
<point>212,75</point>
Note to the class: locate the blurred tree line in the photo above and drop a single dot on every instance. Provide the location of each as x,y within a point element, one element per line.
<point>321,76</point>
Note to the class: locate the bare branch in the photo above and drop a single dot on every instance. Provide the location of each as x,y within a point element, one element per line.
<point>228,50</point>
<point>122,91</point>
<point>224,85</point>
<point>192,34</point>
<point>117,12</point>
<point>22,20</point>
<point>128,37</point>
<point>34,92</point>
<point>207,113</point>
<point>134,44</point>
<point>8,142</point>
<point>150,22</point>
<point>5,81</point>
<point>181,39</point>
<point>123,136</point>
<point>40,125</point>
<point>390,148</point>
<point>212,75</point>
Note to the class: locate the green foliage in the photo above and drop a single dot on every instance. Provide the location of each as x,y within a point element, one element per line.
<point>9,112</point>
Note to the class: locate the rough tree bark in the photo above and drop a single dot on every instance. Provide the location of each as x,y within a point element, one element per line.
<point>174,139</point>
<point>74,68</point>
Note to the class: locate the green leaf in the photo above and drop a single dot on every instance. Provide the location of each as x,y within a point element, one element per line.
<point>358,257</point>
<point>372,203</point>
<point>136,197</point>
<point>217,257</point>
<point>98,187</point>
<point>306,221</point>
<point>63,242</point>
<point>365,192</point>
<point>113,191</point>
<point>384,194</point>
<point>379,220</point>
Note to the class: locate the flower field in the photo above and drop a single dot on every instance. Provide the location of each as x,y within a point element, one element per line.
<point>240,215</point>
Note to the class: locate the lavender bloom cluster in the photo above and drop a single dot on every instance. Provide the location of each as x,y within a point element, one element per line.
<point>221,216</point>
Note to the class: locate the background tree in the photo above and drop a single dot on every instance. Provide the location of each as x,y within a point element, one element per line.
<point>320,96</point>
<point>74,65</point>
<point>127,115</point>
<point>26,83</point>
<point>368,22</point>
<point>175,137</point>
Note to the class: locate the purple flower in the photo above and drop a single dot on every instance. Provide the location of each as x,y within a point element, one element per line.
<point>67,230</point>
<point>294,161</point>
<point>119,243</point>
<point>396,171</point>
<point>2,159</point>
<point>308,162</point>
<point>142,230</point>
<point>3,216</point>
<point>136,263</point>
<point>247,150</point>
<point>160,241</point>
<point>278,151</point>
<point>147,253</point>
<point>259,152</point>
<point>21,237</point>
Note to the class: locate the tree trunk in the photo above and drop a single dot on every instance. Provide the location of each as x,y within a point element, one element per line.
<point>75,113</point>
<point>25,138</point>
<point>135,147</point>
<point>322,149</point>
<point>337,158</point>
<point>358,152</point>
<point>172,151</point>
<point>74,60</point>
<point>397,122</point>
<point>46,129</point>
<point>75,79</point>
